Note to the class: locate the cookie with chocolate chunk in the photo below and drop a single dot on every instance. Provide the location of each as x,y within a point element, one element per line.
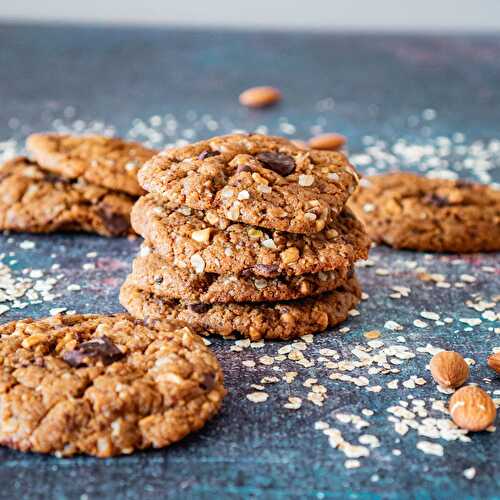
<point>34,200</point>
<point>264,320</point>
<point>103,385</point>
<point>152,273</point>
<point>104,161</point>
<point>202,241</point>
<point>405,210</point>
<point>255,179</point>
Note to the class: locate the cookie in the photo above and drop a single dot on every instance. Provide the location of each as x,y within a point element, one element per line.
<point>108,162</point>
<point>405,210</point>
<point>36,201</point>
<point>265,320</point>
<point>255,179</point>
<point>151,272</point>
<point>205,242</point>
<point>103,385</point>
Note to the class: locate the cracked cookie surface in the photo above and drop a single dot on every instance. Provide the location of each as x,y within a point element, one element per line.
<point>205,242</point>
<point>405,210</point>
<point>104,161</point>
<point>255,179</point>
<point>150,272</point>
<point>268,320</point>
<point>34,200</point>
<point>103,385</point>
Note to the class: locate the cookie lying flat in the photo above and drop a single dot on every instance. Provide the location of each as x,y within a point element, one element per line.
<point>152,273</point>
<point>33,200</point>
<point>409,211</point>
<point>108,162</point>
<point>255,179</point>
<point>103,385</point>
<point>266,320</point>
<point>205,242</point>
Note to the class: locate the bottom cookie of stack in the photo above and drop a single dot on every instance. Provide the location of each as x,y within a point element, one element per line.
<point>255,320</point>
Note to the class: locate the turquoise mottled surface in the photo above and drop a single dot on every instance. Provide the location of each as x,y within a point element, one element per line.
<point>381,86</point>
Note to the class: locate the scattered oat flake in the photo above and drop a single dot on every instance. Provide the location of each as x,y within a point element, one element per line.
<point>469,473</point>
<point>392,325</point>
<point>258,397</point>
<point>430,448</point>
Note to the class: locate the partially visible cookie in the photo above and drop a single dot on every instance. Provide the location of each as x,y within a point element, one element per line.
<point>205,242</point>
<point>105,161</point>
<point>267,320</point>
<point>151,272</point>
<point>255,179</point>
<point>103,385</point>
<point>405,210</point>
<point>36,201</point>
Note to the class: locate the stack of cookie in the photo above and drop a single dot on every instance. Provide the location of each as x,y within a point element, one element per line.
<point>246,234</point>
<point>72,183</point>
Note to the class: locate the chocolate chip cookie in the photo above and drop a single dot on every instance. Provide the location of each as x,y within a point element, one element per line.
<point>151,272</point>
<point>104,161</point>
<point>255,179</point>
<point>34,200</point>
<point>103,385</point>
<point>266,320</point>
<point>205,242</point>
<point>405,210</point>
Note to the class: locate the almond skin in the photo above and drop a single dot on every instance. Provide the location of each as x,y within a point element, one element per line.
<point>330,142</point>
<point>472,409</point>
<point>494,362</point>
<point>260,97</point>
<point>449,369</point>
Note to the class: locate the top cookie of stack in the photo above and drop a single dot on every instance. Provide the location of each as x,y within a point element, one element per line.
<point>248,234</point>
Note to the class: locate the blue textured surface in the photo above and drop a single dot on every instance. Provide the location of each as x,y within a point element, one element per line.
<point>264,450</point>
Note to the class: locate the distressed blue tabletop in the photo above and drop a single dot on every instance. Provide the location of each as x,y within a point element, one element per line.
<point>427,103</point>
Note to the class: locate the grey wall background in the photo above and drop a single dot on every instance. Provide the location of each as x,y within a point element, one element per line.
<point>449,15</point>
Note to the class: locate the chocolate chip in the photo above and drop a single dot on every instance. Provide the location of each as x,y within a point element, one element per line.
<point>264,270</point>
<point>99,349</point>
<point>207,154</point>
<point>208,381</point>
<point>243,168</point>
<point>116,224</point>
<point>199,307</point>
<point>280,163</point>
<point>436,200</point>
<point>159,280</point>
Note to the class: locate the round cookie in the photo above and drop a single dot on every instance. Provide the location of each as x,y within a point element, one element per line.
<point>205,242</point>
<point>255,179</point>
<point>105,161</point>
<point>36,201</point>
<point>405,210</point>
<point>103,385</point>
<point>151,272</point>
<point>266,320</point>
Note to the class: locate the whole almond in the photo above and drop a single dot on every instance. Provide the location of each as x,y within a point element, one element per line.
<point>449,369</point>
<point>260,97</point>
<point>472,409</point>
<point>330,142</point>
<point>494,361</point>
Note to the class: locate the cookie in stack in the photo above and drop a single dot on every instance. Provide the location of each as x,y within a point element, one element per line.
<point>72,183</point>
<point>246,234</point>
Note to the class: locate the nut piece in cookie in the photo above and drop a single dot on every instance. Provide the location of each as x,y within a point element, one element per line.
<point>405,210</point>
<point>104,161</point>
<point>36,201</point>
<point>255,179</point>
<point>103,385</point>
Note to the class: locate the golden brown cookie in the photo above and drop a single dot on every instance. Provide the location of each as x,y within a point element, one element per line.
<point>265,320</point>
<point>255,179</point>
<point>205,242</point>
<point>152,273</point>
<point>103,385</point>
<point>405,210</point>
<point>36,201</point>
<point>104,161</point>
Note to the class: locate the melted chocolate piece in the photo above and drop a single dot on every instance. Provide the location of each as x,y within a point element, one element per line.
<point>280,163</point>
<point>99,349</point>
